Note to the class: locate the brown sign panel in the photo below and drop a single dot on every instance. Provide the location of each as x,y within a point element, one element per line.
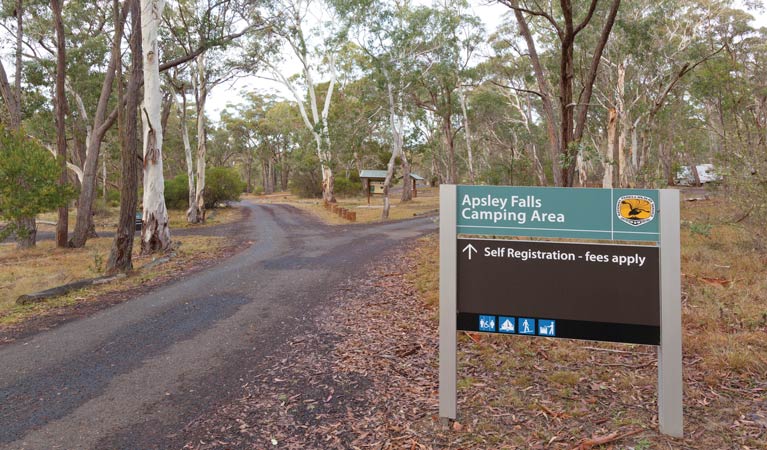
<point>582,291</point>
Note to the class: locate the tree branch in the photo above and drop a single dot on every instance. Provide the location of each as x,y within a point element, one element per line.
<point>514,5</point>
<point>527,91</point>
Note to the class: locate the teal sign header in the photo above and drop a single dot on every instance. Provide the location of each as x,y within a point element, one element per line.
<point>582,213</point>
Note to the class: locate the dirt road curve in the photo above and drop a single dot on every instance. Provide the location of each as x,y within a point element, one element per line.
<point>133,375</point>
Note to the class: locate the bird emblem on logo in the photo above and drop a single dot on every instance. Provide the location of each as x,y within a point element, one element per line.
<point>635,209</point>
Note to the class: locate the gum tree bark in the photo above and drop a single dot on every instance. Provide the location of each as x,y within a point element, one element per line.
<point>120,257</point>
<point>196,212</point>
<point>60,109</point>
<point>572,112</point>
<point>155,235</point>
<point>187,152</point>
<point>101,124</point>
<point>467,134</point>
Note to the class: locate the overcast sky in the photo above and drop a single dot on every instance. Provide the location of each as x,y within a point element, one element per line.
<point>491,13</point>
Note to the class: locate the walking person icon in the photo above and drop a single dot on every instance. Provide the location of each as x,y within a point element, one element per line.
<point>526,326</point>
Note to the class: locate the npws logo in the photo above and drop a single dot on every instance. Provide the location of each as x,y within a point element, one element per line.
<point>635,209</point>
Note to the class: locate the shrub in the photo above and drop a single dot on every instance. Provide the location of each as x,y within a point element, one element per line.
<point>113,197</point>
<point>306,184</point>
<point>347,187</point>
<point>222,184</point>
<point>177,192</point>
<point>28,180</point>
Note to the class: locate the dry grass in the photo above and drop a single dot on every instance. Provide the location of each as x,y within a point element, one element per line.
<point>213,217</point>
<point>106,218</point>
<point>427,201</point>
<point>574,388</point>
<point>47,266</point>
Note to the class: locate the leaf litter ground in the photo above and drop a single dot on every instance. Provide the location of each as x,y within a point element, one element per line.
<point>368,378</point>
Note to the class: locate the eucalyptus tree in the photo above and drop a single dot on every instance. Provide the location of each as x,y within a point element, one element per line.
<point>181,88</point>
<point>656,48</point>
<point>213,25</point>
<point>60,108</point>
<point>290,28</point>
<point>283,125</point>
<point>387,35</point>
<point>730,92</point>
<point>121,254</point>
<point>13,21</point>
<point>564,22</point>
<point>155,233</point>
<point>244,135</point>
<point>452,37</point>
<point>103,119</point>
<point>91,29</point>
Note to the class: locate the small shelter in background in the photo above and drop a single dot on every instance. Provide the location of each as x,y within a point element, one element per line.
<point>373,182</point>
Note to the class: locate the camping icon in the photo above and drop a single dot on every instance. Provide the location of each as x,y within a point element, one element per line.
<point>506,324</point>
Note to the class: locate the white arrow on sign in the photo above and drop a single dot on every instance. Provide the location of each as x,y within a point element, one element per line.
<point>470,248</point>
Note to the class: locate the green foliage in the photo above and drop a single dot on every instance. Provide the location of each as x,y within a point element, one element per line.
<point>700,228</point>
<point>28,180</point>
<point>113,197</point>
<point>348,187</point>
<point>222,184</point>
<point>306,184</point>
<point>177,192</point>
<point>98,263</point>
<point>305,178</point>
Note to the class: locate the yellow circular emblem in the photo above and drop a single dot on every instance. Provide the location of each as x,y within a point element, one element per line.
<point>635,209</point>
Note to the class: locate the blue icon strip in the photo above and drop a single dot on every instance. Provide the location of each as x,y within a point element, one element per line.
<point>559,328</point>
<point>512,325</point>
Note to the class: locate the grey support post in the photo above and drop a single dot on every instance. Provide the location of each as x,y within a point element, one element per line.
<point>670,351</point>
<point>447,301</point>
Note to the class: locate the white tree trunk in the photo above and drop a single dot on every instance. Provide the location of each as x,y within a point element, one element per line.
<point>202,148</point>
<point>318,123</point>
<point>624,170</point>
<point>155,233</point>
<point>104,180</point>
<point>467,134</point>
<point>191,212</point>
<point>580,169</point>
<point>396,148</point>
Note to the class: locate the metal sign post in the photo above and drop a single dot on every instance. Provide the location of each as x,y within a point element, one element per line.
<point>500,286</point>
<point>670,418</point>
<point>448,368</point>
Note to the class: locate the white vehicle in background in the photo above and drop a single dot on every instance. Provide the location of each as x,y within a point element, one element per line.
<point>707,173</point>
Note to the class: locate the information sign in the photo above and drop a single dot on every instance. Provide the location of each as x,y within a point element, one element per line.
<point>605,214</point>
<point>596,292</point>
<point>585,282</point>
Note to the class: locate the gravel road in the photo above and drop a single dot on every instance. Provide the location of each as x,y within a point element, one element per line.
<point>132,376</point>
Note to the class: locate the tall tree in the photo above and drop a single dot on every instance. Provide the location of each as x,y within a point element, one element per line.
<point>453,36</point>
<point>573,112</point>
<point>103,120</point>
<point>288,28</point>
<point>121,254</point>
<point>155,234</point>
<point>211,25</point>
<point>388,34</point>
<point>60,106</point>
